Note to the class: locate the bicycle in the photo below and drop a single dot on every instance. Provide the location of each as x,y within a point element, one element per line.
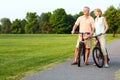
<point>97,53</point>
<point>81,48</point>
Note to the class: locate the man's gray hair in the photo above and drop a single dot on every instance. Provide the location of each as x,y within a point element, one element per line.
<point>87,7</point>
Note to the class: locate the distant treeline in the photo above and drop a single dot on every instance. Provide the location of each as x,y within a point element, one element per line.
<point>56,22</point>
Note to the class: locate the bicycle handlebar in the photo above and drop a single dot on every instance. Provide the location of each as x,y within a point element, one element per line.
<point>88,33</point>
<point>82,34</point>
<point>97,35</point>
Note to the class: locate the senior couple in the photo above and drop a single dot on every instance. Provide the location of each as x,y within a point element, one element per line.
<point>87,24</point>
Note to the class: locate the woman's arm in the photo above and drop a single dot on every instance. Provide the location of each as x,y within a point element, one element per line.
<point>106,25</point>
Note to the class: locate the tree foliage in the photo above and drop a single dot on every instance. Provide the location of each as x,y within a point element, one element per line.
<point>110,15</point>
<point>57,21</point>
<point>45,26</point>
<point>16,26</point>
<point>32,25</point>
<point>5,25</point>
<point>23,23</point>
<point>113,18</point>
<point>118,19</point>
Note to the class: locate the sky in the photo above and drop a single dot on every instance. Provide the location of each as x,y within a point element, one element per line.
<point>14,9</point>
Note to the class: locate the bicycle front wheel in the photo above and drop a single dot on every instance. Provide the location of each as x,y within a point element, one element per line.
<point>98,57</point>
<point>81,52</point>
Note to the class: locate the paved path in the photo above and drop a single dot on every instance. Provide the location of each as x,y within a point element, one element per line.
<point>65,71</point>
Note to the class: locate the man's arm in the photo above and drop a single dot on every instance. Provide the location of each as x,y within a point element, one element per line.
<point>74,28</point>
<point>92,27</point>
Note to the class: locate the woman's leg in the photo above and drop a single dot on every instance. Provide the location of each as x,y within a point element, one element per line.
<point>103,48</point>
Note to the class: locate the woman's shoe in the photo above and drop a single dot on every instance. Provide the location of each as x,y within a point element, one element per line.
<point>106,66</point>
<point>94,64</point>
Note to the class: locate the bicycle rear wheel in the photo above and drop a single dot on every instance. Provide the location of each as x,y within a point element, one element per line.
<point>98,57</point>
<point>81,52</point>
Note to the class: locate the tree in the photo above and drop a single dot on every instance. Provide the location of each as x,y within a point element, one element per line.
<point>112,18</point>
<point>16,27</point>
<point>118,19</point>
<point>92,14</point>
<point>23,23</point>
<point>0,28</point>
<point>57,20</point>
<point>45,26</point>
<point>5,25</point>
<point>32,25</point>
<point>69,23</point>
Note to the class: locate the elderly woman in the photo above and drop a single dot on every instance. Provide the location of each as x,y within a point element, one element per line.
<point>101,26</point>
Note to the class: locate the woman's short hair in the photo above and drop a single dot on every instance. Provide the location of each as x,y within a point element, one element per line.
<point>99,11</point>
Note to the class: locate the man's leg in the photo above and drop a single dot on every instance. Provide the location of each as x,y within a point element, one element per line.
<point>75,56</point>
<point>88,44</point>
<point>76,53</point>
<point>87,56</point>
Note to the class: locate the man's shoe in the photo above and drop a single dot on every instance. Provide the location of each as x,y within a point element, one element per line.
<point>74,63</point>
<point>86,64</point>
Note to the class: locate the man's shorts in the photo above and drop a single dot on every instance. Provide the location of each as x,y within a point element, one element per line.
<point>88,43</point>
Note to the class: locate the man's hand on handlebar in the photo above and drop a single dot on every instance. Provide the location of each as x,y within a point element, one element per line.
<point>72,32</point>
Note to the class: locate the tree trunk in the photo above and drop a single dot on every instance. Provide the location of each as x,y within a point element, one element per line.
<point>113,34</point>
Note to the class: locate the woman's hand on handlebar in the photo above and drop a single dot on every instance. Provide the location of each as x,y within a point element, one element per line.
<point>103,33</point>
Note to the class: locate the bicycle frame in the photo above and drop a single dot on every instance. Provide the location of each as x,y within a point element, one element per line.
<point>81,50</point>
<point>99,54</point>
<point>99,46</point>
<point>97,41</point>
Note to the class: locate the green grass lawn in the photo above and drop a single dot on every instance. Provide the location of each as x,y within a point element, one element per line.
<point>25,54</point>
